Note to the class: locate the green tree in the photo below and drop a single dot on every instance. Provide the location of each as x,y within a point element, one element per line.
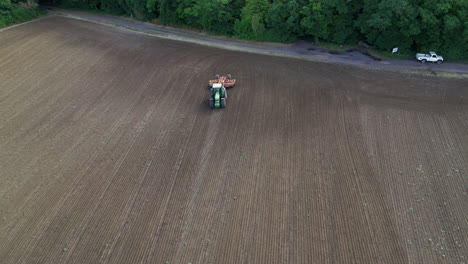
<point>343,29</point>
<point>136,8</point>
<point>167,11</point>
<point>317,19</point>
<point>283,20</point>
<point>389,23</point>
<point>214,15</point>
<point>6,8</point>
<point>416,25</point>
<point>113,7</point>
<point>152,6</point>
<point>455,31</point>
<point>251,24</point>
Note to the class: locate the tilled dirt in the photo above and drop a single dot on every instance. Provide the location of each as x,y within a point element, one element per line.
<point>109,153</point>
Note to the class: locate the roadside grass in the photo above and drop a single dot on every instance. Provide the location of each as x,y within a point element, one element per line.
<point>89,10</point>
<point>130,18</point>
<point>463,60</point>
<point>21,15</point>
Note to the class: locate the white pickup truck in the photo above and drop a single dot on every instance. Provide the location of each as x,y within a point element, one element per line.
<point>432,56</point>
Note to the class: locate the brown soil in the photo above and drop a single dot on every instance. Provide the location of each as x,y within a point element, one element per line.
<point>109,153</point>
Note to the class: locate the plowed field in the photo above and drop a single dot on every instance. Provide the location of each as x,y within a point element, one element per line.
<point>109,153</point>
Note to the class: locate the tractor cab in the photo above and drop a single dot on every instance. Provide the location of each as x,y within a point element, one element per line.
<point>218,96</point>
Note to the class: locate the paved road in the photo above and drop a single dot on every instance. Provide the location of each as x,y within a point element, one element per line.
<point>302,49</point>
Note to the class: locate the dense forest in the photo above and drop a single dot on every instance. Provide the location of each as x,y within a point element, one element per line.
<point>411,25</point>
<point>16,11</point>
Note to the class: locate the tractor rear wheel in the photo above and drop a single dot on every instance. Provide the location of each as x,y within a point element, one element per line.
<point>223,102</point>
<point>223,92</point>
<point>211,103</point>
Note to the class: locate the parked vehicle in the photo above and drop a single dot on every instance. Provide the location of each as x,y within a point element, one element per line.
<point>432,56</point>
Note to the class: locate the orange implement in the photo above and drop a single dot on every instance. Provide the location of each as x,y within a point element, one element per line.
<point>225,81</point>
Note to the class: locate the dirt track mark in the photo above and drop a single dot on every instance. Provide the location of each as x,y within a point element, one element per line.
<point>117,158</point>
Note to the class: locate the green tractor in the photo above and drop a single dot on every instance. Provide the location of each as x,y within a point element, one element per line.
<point>218,96</point>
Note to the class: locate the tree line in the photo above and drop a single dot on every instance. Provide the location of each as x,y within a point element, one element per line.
<point>18,11</point>
<point>411,25</point>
